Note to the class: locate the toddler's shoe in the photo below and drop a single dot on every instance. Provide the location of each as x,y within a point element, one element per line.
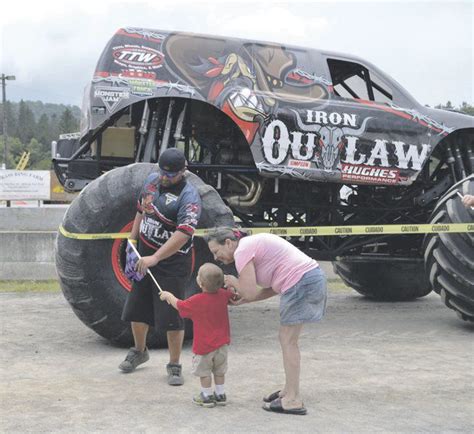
<point>220,399</point>
<point>204,400</point>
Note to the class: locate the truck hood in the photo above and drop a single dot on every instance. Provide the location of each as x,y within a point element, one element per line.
<point>449,119</point>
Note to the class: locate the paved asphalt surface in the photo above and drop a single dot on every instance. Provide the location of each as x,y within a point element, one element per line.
<point>367,367</point>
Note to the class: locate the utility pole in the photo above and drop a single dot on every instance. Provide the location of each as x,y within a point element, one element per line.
<point>5,132</point>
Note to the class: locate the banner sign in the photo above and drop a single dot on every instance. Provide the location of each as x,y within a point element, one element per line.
<point>25,184</point>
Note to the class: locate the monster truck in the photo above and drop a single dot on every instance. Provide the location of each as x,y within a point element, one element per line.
<point>274,135</point>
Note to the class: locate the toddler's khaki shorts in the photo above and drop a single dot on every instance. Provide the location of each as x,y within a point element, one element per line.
<point>214,362</point>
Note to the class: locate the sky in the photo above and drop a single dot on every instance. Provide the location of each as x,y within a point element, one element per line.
<point>52,47</point>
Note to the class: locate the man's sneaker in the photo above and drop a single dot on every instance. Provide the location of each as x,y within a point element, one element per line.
<point>133,359</point>
<point>220,399</point>
<point>175,377</point>
<point>204,400</point>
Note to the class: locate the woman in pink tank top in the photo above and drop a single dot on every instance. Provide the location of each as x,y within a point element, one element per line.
<point>269,265</point>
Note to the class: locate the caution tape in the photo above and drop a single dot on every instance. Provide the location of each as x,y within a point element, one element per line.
<point>310,231</point>
<point>103,236</point>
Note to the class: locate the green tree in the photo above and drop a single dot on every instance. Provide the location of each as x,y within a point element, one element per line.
<point>43,130</point>
<point>26,123</point>
<point>467,108</point>
<point>447,106</point>
<point>39,157</point>
<point>464,107</point>
<point>15,149</point>
<point>54,126</point>
<point>24,134</point>
<point>68,123</point>
<point>11,118</point>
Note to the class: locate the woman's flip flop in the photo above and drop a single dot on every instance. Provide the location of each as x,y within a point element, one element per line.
<point>272,396</point>
<point>276,407</point>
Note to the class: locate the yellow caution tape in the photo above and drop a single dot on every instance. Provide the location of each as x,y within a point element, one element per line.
<point>106,236</point>
<point>310,231</point>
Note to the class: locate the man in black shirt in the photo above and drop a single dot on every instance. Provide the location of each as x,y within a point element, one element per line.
<point>168,211</point>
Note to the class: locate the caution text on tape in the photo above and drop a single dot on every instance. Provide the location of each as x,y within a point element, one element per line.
<point>309,231</point>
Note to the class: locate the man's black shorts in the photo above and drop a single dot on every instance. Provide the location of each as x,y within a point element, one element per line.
<point>143,303</point>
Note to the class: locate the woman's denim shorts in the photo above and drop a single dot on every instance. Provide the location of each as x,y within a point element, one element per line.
<point>306,300</point>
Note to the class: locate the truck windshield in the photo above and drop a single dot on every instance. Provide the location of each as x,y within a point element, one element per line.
<point>354,81</point>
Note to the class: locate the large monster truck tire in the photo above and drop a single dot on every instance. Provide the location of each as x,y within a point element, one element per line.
<point>91,272</point>
<point>449,257</point>
<point>386,280</point>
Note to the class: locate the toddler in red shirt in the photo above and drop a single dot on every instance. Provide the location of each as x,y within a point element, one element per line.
<point>209,313</point>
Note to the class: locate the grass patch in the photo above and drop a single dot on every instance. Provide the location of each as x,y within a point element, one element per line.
<point>29,286</point>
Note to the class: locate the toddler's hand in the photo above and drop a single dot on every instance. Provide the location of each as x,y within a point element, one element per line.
<point>468,200</point>
<point>231,281</point>
<point>165,296</point>
<point>237,300</point>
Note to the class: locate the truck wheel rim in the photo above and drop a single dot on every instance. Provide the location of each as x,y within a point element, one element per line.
<point>118,255</point>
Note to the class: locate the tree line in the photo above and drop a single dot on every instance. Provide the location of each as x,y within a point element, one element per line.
<point>463,108</point>
<point>33,125</point>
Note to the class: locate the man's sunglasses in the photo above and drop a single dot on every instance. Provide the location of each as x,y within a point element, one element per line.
<point>167,174</point>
